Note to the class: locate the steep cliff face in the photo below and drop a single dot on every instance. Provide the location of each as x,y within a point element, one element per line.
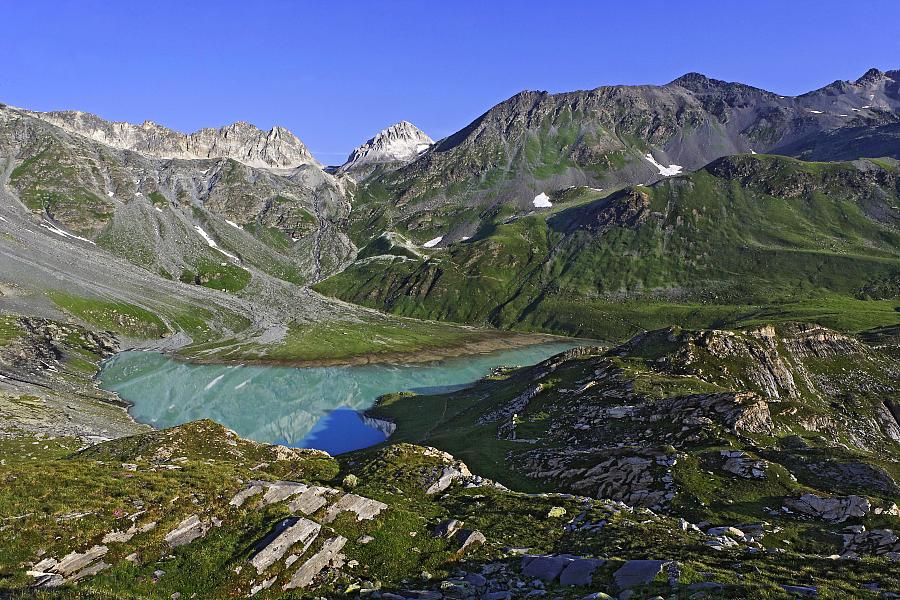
<point>243,142</point>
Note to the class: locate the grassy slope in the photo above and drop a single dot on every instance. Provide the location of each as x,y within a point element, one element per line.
<point>714,250</point>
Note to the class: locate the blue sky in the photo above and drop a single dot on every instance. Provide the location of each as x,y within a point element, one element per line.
<point>337,72</point>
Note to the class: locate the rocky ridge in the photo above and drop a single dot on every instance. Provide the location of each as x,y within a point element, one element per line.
<point>277,148</point>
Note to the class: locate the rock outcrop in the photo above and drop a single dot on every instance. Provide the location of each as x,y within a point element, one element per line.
<point>241,141</point>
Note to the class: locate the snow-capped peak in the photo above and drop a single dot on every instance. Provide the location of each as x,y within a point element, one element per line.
<point>401,143</point>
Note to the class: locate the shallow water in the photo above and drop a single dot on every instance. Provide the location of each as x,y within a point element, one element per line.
<point>306,407</point>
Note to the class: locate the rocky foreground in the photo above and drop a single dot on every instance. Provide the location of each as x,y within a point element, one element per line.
<point>759,463</point>
<point>195,511</point>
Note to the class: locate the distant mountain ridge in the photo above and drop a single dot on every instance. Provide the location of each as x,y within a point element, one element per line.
<point>241,141</point>
<point>556,201</point>
<point>537,142</point>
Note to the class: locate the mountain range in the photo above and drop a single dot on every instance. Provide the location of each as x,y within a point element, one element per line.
<point>693,192</point>
<point>731,429</point>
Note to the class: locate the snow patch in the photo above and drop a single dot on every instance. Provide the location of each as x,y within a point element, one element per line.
<point>110,194</point>
<point>664,171</point>
<point>867,106</point>
<point>212,243</point>
<point>3,219</point>
<point>233,224</point>
<point>433,243</point>
<point>58,231</point>
<point>462,239</point>
<point>815,112</point>
<point>752,151</point>
<point>158,209</point>
<point>542,200</point>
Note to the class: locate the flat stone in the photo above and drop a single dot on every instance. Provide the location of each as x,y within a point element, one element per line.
<point>281,491</point>
<point>262,585</point>
<point>580,571</point>
<point>88,571</point>
<point>187,531</point>
<point>46,564</point>
<point>638,572</point>
<point>446,478</point>
<point>364,508</point>
<point>801,590</point>
<point>243,495</point>
<point>115,537</point>
<point>316,563</point>
<point>75,562</point>
<point>545,568</point>
<point>311,500</point>
<point>287,533</point>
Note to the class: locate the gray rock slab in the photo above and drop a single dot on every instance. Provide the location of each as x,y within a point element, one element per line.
<point>638,572</point>
<point>580,571</point>
<point>289,533</point>
<point>364,508</point>
<point>187,531</point>
<point>316,563</point>
<point>545,568</point>
<point>75,562</point>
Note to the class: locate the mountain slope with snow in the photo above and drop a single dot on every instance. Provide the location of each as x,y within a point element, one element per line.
<point>399,144</point>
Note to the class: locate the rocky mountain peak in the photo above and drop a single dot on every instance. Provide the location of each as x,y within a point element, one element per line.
<point>240,141</point>
<point>871,76</point>
<point>399,143</point>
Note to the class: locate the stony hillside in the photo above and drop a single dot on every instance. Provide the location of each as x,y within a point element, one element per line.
<point>746,237</point>
<point>537,143</point>
<point>791,431</point>
<point>197,512</point>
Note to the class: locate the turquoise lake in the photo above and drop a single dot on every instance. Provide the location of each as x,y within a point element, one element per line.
<point>313,407</point>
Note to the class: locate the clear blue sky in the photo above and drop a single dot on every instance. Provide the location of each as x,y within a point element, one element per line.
<point>337,72</point>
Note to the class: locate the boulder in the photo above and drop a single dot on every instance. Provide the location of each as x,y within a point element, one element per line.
<point>833,510</point>
<point>580,571</point>
<point>546,568</point>
<point>468,539</point>
<point>638,572</point>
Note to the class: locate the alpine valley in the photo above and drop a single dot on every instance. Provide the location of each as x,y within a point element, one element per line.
<point>722,261</point>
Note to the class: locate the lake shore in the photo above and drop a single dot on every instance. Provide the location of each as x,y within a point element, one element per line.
<point>480,343</point>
